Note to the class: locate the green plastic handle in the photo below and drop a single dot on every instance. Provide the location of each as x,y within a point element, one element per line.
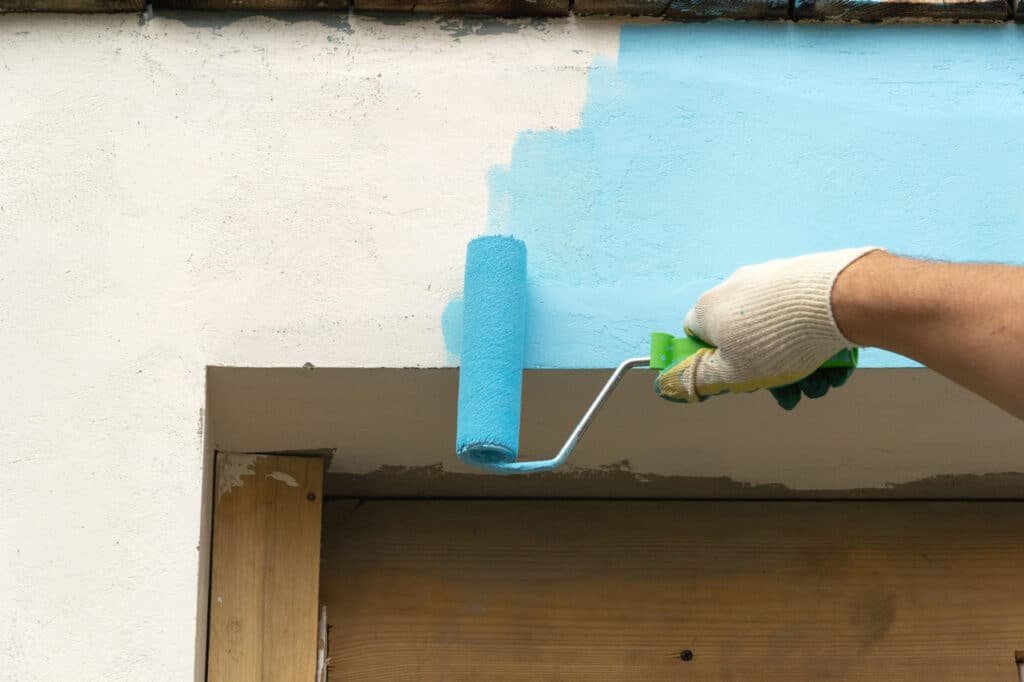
<point>666,350</point>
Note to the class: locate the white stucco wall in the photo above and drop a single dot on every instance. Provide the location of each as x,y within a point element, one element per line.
<point>215,189</point>
<point>248,192</point>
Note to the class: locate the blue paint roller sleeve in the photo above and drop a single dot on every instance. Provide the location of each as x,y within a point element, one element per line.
<point>493,342</point>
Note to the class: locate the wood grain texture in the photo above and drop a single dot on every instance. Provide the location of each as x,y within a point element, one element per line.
<point>881,10</point>
<point>615,590</point>
<point>499,8</point>
<point>254,5</point>
<point>265,568</point>
<point>72,5</point>
<point>383,5</point>
<point>680,10</point>
<point>639,8</point>
<point>706,10</point>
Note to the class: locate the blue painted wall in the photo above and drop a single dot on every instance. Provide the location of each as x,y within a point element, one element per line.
<point>707,147</point>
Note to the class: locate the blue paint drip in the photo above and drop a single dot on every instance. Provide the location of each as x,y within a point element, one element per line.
<point>494,331</point>
<point>707,147</point>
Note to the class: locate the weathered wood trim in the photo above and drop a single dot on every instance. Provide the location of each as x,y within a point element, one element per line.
<point>80,6</point>
<point>617,590</point>
<point>886,10</point>
<point>501,8</point>
<point>707,10</point>
<point>675,10</point>
<point>265,568</point>
<point>498,8</point>
<point>383,5</point>
<point>636,8</point>
<point>255,5</point>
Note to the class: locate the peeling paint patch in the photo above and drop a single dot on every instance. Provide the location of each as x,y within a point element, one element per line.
<point>322,660</point>
<point>460,27</point>
<point>287,479</point>
<point>620,481</point>
<point>230,469</point>
<point>220,20</point>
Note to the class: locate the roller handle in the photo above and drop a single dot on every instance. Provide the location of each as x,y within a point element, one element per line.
<point>666,350</point>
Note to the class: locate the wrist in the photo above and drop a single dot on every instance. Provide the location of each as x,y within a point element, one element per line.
<point>860,298</point>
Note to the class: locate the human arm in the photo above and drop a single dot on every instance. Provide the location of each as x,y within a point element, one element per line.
<point>774,323</point>
<point>963,320</point>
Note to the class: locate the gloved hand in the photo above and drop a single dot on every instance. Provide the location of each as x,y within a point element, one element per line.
<point>772,327</point>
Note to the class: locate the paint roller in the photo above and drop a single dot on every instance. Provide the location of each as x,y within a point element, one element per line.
<point>493,348</point>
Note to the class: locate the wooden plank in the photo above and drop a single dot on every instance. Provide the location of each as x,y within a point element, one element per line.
<point>638,8</point>
<point>680,10</point>
<point>254,5</point>
<point>383,5</point>
<point>499,8</point>
<point>72,5</point>
<point>617,590</point>
<point>706,10</point>
<point>265,568</point>
<point>883,10</point>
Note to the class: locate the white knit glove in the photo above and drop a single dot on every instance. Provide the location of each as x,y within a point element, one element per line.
<point>771,325</point>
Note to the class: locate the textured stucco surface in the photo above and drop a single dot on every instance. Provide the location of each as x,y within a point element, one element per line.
<point>705,148</point>
<point>227,190</point>
<point>216,191</point>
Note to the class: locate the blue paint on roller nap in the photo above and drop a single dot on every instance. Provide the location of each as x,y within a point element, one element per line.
<point>707,147</point>
<point>494,331</point>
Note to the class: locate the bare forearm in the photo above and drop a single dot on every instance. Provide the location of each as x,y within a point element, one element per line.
<point>965,321</point>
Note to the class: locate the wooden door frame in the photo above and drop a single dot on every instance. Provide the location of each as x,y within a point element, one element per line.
<point>263,598</point>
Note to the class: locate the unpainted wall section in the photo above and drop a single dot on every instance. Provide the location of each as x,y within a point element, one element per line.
<point>216,190</point>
